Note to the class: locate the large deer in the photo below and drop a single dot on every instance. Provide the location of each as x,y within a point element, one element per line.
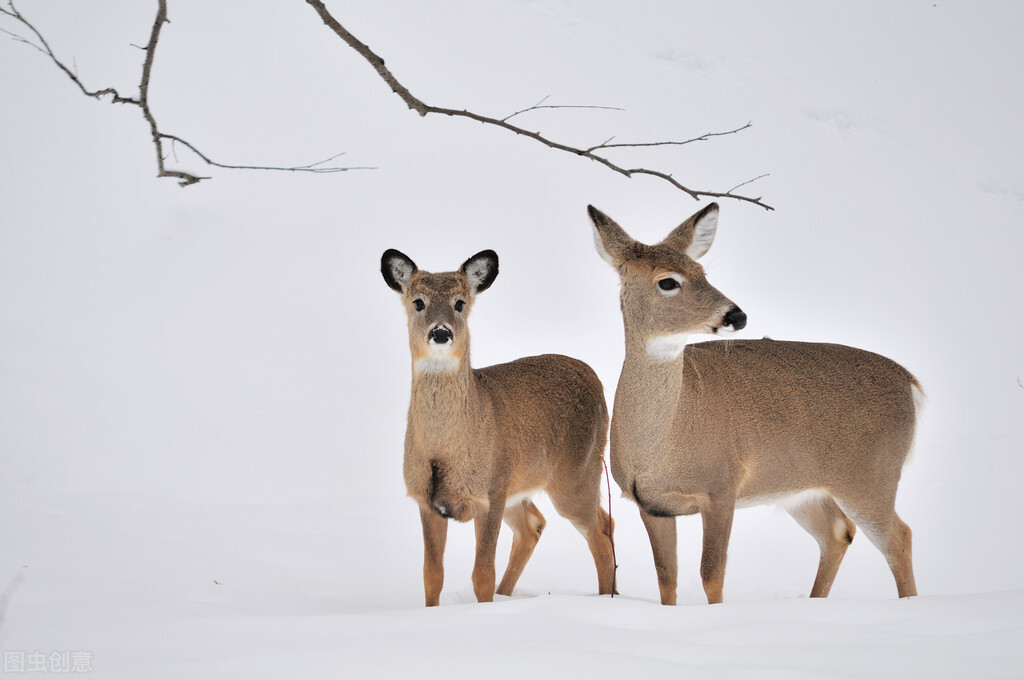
<point>480,441</point>
<point>822,430</point>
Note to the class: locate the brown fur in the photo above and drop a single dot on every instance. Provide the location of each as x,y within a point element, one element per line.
<point>479,440</point>
<point>823,429</point>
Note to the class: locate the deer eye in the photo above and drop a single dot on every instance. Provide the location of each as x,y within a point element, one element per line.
<point>668,284</point>
<point>419,304</point>
<point>460,305</point>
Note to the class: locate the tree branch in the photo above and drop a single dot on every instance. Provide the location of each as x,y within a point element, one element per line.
<point>44,48</point>
<point>184,178</point>
<point>540,105</point>
<point>703,138</point>
<point>423,109</point>
<point>314,168</point>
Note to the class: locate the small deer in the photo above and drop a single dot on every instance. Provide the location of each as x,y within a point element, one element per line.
<point>822,430</point>
<point>479,442</point>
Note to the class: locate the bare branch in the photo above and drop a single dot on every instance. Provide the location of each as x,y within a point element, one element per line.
<point>703,138</point>
<point>370,56</point>
<point>312,167</point>
<point>423,109</point>
<point>749,181</point>
<point>540,105</point>
<point>184,178</point>
<point>44,48</point>
<point>187,178</point>
<point>17,37</point>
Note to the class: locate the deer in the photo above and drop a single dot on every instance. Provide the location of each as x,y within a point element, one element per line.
<point>481,441</point>
<point>821,430</point>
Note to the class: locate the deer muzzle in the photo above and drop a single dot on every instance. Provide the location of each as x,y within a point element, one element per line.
<point>440,335</point>
<point>734,319</point>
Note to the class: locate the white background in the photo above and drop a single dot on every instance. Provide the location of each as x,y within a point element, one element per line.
<point>203,390</point>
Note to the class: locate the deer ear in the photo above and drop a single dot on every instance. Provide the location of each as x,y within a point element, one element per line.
<point>397,269</point>
<point>481,270</point>
<point>612,242</point>
<point>695,236</point>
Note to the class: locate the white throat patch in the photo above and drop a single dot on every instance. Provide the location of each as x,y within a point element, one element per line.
<point>439,359</point>
<point>666,347</point>
<point>436,365</point>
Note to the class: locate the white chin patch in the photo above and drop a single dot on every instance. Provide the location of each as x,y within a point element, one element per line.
<point>666,347</point>
<point>725,330</point>
<point>439,359</point>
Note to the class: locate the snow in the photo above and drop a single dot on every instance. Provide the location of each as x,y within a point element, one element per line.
<point>203,390</point>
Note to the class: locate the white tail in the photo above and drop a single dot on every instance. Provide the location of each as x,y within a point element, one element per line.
<point>480,441</point>
<point>823,430</point>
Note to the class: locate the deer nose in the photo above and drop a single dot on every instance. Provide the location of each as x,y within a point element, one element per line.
<point>440,335</point>
<point>735,318</point>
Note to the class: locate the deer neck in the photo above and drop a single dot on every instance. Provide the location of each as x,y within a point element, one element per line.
<point>648,396</point>
<point>442,406</point>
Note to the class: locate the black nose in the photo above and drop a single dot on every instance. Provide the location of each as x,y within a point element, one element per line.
<point>440,335</point>
<point>735,318</point>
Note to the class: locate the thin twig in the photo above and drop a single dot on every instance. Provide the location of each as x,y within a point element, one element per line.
<point>703,138</point>
<point>423,109</point>
<point>312,167</point>
<point>44,47</point>
<point>749,181</point>
<point>184,178</point>
<point>17,37</point>
<point>541,105</point>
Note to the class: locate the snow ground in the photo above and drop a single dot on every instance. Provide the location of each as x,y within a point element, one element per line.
<point>203,391</point>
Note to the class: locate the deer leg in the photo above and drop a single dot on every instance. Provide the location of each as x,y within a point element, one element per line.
<point>435,533</point>
<point>581,505</point>
<point>890,535</point>
<point>833,531</point>
<point>527,524</point>
<point>717,518</point>
<point>895,544</point>
<point>600,538</point>
<point>662,532</point>
<point>899,557</point>
<point>488,524</point>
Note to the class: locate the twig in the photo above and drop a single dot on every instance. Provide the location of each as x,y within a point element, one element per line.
<point>703,138</point>
<point>541,105</point>
<point>184,178</point>
<point>312,167</point>
<point>44,48</point>
<point>423,109</point>
<point>749,181</point>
